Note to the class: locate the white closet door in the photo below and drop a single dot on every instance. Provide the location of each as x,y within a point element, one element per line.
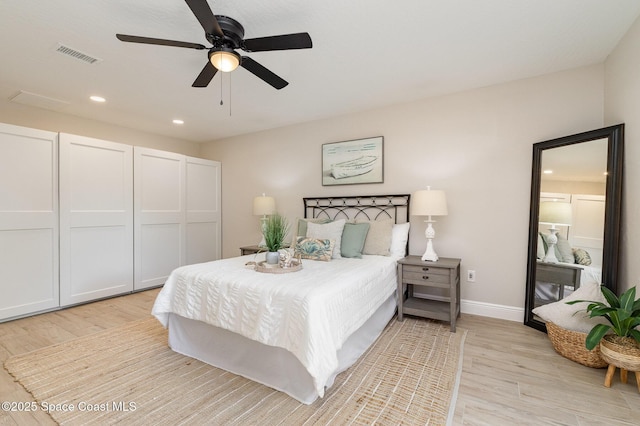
<point>96,219</point>
<point>203,210</point>
<point>28,221</point>
<point>159,218</point>
<point>587,226</point>
<point>555,196</point>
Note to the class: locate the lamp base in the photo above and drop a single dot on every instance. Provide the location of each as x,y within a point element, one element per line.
<point>430,254</point>
<point>263,225</point>
<point>430,234</point>
<point>552,240</point>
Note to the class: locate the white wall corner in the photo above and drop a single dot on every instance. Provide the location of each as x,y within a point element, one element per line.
<point>510,313</point>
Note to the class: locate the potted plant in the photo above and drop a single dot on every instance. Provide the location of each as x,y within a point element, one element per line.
<point>619,339</point>
<point>275,230</point>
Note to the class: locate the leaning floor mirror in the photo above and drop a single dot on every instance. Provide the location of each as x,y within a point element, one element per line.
<point>574,222</point>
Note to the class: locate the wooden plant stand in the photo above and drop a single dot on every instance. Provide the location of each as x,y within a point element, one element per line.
<point>623,376</point>
<point>617,355</point>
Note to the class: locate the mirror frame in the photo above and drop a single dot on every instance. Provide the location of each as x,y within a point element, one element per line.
<point>612,216</point>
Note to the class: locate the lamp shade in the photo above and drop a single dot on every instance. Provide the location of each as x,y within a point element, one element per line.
<point>429,202</point>
<point>264,205</point>
<point>555,213</point>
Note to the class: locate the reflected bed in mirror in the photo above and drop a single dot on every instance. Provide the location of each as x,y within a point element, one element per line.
<point>574,225</point>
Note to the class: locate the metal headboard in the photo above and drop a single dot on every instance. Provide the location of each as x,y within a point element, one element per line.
<point>366,207</point>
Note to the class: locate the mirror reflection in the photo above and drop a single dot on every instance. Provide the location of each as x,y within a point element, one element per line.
<point>571,219</point>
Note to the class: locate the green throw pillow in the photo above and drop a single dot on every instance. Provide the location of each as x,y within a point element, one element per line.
<point>353,238</point>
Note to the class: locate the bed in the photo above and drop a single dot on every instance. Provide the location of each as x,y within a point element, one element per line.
<point>293,332</point>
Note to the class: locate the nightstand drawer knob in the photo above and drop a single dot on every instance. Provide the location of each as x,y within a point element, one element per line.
<point>425,277</point>
<point>425,269</point>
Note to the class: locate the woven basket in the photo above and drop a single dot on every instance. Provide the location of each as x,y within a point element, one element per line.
<point>571,345</point>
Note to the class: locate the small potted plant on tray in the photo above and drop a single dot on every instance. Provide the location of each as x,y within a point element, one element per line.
<point>275,230</point>
<point>619,339</point>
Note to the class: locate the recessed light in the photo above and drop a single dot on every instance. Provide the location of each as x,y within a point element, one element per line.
<point>178,121</point>
<point>97,99</point>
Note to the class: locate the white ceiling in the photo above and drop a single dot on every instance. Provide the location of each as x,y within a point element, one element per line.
<point>581,162</point>
<point>366,54</point>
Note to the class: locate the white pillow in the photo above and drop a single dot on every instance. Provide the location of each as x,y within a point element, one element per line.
<point>541,252</point>
<point>300,228</point>
<point>573,317</point>
<point>399,238</point>
<point>328,231</point>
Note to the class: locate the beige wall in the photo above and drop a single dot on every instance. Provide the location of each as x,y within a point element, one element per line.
<point>37,118</point>
<point>622,105</point>
<point>475,145</point>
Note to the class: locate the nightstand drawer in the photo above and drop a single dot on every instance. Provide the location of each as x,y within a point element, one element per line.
<point>425,277</point>
<point>431,270</point>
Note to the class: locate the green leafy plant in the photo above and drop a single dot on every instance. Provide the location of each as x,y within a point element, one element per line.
<point>276,228</point>
<point>623,315</point>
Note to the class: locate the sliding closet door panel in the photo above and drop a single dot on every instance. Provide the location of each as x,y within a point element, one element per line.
<point>203,210</point>
<point>28,221</point>
<point>96,219</point>
<point>161,254</point>
<point>587,225</point>
<point>159,215</point>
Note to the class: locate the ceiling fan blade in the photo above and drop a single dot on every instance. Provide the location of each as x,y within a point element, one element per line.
<point>205,16</point>
<point>159,41</point>
<point>205,76</point>
<point>263,73</point>
<point>280,42</point>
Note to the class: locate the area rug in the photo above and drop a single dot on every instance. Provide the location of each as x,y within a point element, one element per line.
<point>128,374</point>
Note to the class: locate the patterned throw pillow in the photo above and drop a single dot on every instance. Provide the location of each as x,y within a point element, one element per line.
<point>314,249</point>
<point>328,231</point>
<point>582,257</point>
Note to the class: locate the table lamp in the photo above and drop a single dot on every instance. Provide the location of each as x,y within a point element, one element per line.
<point>263,206</point>
<point>554,213</point>
<point>428,202</point>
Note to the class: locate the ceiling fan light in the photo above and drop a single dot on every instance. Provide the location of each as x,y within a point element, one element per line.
<point>225,60</point>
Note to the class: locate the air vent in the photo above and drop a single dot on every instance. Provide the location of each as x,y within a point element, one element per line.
<point>66,50</point>
<point>40,101</point>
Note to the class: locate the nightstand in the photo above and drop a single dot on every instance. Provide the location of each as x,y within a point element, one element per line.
<point>443,274</point>
<point>255,249</point>
<point>250,250</point>
<point>557,275</point>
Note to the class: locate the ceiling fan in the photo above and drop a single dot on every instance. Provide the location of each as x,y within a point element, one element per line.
<point>226,35</point>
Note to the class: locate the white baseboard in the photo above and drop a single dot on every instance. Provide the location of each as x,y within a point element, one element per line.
<point>510,313</point>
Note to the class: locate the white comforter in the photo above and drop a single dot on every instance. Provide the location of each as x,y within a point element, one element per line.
<point>310,312</point>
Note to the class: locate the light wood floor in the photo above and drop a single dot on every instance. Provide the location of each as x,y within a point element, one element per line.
<point>511,375</point>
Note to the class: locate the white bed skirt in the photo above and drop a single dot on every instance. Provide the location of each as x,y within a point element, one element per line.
<point>272,366</point>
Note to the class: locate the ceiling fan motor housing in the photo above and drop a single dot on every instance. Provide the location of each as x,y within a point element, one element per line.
<point>233,33</point>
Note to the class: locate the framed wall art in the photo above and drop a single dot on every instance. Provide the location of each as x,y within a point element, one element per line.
<point>353,162</point>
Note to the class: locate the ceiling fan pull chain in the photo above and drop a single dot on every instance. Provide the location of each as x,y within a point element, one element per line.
<point>229,95</point>
<point>221,103</point>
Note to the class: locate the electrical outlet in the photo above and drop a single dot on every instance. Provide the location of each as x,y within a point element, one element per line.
<point>471,276</point>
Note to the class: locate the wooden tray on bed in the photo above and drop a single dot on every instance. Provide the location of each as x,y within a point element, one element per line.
<point>265,267</point>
